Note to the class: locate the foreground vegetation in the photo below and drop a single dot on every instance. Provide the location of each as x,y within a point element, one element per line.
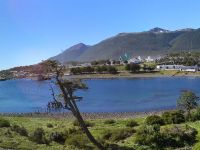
<point>170,130</point>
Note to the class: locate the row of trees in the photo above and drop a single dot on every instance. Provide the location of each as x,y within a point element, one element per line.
<point>112,69</point>
<point>90,70</point>
<point>104,62</point>
<point>137,67</point>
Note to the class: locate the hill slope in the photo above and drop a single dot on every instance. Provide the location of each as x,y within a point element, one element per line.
<point>154,42</point>
<point>71,54</point>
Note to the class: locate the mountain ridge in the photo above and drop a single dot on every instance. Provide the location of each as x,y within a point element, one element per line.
<point>71,53</point>
<point>155,42</point>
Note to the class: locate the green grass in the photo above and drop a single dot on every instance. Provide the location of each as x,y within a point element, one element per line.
<point>12,140</point>
<point>196,125</point>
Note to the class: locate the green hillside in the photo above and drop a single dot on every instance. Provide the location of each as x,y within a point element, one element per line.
<point>155,42</point>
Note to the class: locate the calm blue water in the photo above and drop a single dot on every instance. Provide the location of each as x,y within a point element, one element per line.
<point>116,95</point>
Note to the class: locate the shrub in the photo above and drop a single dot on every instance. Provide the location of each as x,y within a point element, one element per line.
<point>179,136</point>
<point>87,123</point>
<point>117,134</point>
<point>74,131</point>
<point>39,136</point>
<point>175,136</point>
<point>109,121</point>
<point>110,146</point>
<point>58,137</point>
<point>195,114</point>
<point>132,67</point>
<point>4,123</point>
<point>112,70</point>
<point>21,130</point>
<point>131,123</point>
<point>154,119</point>
<point>8,133</point>
<point>174,117</point>
<point>149,136</point>
<point>78,140</point>
<point>49,125</point>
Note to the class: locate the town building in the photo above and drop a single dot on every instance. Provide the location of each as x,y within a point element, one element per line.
<point>178,67</point>
<point>134,61</point>
<point>149,59</point>
<point>124,58</point>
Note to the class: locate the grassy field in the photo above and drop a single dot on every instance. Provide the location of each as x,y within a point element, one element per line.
<point>10,139</point>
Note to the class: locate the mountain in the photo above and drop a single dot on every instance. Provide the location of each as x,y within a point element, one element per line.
<point>158,30</point>
<point>71,54</point>
<point>155,42</point>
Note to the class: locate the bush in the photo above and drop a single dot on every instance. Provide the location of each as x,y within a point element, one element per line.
<point>149,136</point>
<point>99,69</point>
<point>131,123</point>
<point>49,125</point>
<point>4,123</point>
<point>109,121</point>
<point>154,119</point>
<point>110,146</point>
<point>74,131</point>
<point>112,70</point>
<point>133,67</point>
<point>175,136</point>
<point>87,123</point>
<point>21,130</point>
<point>195,114</point>
<point>178,136</point>
<point>174,117</point>
<point>58,137</point>
<point>79,141</point>
<point>39,136</point>
<point>117,134</point>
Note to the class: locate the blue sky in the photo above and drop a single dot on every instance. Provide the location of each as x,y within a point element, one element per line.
<point>34,30</point>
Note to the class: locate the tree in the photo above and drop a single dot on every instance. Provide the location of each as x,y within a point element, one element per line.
<point>188,101</point>
<point>145,67</point>
<point>76,70</point>
<point>112,70</point>
<point>68,98</point>
<point>133,67</point>
<point>128,67</point>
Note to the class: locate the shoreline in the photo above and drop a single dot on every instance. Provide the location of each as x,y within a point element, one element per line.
<point>88,115</point>
<point>124,75</point>
<point>129,75</point>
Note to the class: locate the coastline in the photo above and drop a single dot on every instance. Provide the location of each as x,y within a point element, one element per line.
<point>136,75</point>
<point>88,116</point>
<point>122,74</point>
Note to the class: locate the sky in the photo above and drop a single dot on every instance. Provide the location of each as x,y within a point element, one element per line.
<point>34,30</point>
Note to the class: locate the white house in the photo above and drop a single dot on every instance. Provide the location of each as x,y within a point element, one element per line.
<point>149,59</point>
<point>86,65</point>
<point>134,61</point>
<point>178,67</point>
<point>169,67</point>
<point>139,58</point>
<point>190,68</point>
